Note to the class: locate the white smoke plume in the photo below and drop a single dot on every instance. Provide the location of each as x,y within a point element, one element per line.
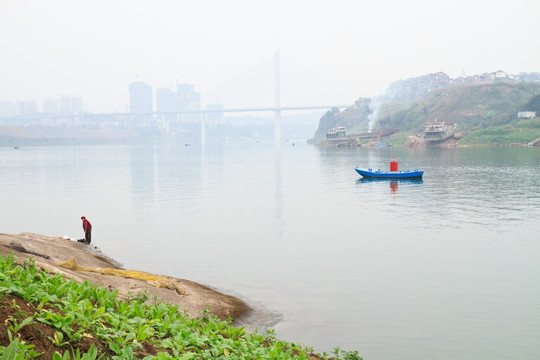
<point>375,106</point>
<point>392,93</point>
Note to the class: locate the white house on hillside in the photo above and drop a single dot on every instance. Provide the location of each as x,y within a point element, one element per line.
<point>526,115</point>
<point>500,74</point>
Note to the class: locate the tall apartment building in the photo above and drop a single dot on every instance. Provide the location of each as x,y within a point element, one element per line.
<point>49,106</point>
<point>140,97</point>
<point>26,108</point>
<point>7,108</point>
<point>187,99</point>
<point>69,105</point>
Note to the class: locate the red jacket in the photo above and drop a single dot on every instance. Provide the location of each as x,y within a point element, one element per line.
<point>86,225</point>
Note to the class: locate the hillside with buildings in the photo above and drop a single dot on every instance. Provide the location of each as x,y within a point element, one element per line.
<point>474,103</point>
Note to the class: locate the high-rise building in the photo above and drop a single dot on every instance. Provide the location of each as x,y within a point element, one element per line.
<point>26,108</point>
<point>69,105</point>
<point>76,104</point>
<point>49,106</point>
<point>7,108</point>
<point>140,97</point>
<point>186,98</point>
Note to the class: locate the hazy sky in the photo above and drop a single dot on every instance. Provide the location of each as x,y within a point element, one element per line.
<point>96,48</point>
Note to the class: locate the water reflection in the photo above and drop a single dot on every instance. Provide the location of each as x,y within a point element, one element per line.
<point>278,196</point>
<point>392,183</point>
<point>393,186</point>
<point>300,232</point>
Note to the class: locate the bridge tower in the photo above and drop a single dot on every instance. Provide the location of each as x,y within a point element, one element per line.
<point>277,122</point>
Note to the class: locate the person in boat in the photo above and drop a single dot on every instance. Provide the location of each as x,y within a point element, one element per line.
<point>87,227</point>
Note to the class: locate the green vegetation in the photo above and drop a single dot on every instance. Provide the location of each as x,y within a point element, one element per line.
<point>486,114</point>
<point>534,104</point>
<point>353,118</point>
<point>471,107</point>
<point>528,123</point>
<point>502,135</point>
<point>84,322</point>
<point>399,139</point>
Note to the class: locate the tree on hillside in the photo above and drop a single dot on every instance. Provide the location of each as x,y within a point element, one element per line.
<point>534,104</point>
<point>327,122</point>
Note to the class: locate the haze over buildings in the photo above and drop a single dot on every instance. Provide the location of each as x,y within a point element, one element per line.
<point>338,51</point>
<point>63,105</point>
<point>184,98</point>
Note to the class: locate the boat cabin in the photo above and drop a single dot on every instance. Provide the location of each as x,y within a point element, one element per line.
<point>336,132</point>
<point>435,129</point>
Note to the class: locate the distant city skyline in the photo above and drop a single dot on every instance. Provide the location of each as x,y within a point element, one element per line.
<point>331,52</point>
<point>144,99</point>
<point>61,105</point>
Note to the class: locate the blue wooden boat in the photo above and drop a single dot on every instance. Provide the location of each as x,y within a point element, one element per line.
<point>379,174</point>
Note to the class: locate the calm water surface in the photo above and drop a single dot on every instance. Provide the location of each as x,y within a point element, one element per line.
<point>444,268</point>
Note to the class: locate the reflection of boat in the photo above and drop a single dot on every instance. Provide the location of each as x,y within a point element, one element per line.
<point>379,174</point>
<point>392,174</point>
<point>438,131</point>
<point>393,182</point>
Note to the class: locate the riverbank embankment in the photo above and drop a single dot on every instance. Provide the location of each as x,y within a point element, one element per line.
<point>82,262</point>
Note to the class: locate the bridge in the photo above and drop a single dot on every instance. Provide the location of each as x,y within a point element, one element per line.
<point>163,119</point>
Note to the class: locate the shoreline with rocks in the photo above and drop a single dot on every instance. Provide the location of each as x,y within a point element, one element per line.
<point>80,262</point>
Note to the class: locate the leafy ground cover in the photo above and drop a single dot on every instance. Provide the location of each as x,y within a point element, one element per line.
<point>45,316</point>
<point>520,133</point>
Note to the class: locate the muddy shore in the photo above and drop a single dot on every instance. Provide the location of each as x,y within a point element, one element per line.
<point>86,262</point>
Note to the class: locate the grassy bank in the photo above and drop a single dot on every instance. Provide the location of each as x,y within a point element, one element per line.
<point>45,316</point>
<point>521,132</point>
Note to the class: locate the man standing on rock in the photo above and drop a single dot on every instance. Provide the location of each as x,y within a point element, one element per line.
<point>87,230</point>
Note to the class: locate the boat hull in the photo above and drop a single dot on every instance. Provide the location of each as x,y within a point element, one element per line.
<point>378,174</point>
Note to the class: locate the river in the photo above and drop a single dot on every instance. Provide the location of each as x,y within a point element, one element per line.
<point>443,268</point>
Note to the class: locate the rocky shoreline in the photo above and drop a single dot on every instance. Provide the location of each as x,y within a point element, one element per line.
<point>57,255</point>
